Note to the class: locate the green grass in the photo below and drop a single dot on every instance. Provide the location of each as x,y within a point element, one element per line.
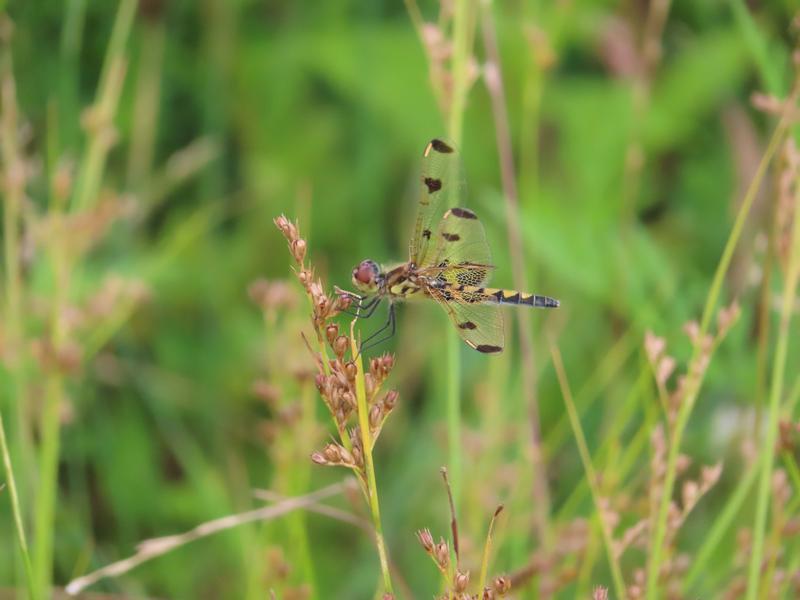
<point>618,164</point>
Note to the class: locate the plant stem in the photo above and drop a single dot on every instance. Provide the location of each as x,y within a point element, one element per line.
<point>591,476</point>
<point>14,175</point>
<point>461,51</point>
<point>369,467</point>
<point>494,83</point>
<point>694,380</point>
<point>767,448</point>
<point>15,509</point>
<point>101,130</point>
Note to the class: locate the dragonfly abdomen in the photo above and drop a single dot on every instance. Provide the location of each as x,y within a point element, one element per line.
<point>500,296</point>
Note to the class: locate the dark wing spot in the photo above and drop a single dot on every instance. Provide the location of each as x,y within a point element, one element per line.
<point>488,348</point>
<point>433,185</point>
<point>426,233</point>
<point>463,213</point>
<point>447,295</point>
<point>467,325</point>
<point>440,146</point>
<point>451,237</point>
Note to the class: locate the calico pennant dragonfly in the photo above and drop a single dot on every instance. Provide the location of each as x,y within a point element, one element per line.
<point>450,264</point>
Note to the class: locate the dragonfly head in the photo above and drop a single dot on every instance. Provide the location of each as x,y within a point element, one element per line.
<point>367,276</point>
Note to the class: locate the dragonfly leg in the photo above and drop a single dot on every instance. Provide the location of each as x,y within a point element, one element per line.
<point>369,307</point>
<point>391,323</point>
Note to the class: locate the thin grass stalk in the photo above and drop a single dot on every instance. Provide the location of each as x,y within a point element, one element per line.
<point>50,425</point>
<point>100,126</point>
<point>494,83</point>
<point>763,318</point>
<point>767,448</point>
<point>487,549</point>
<point>591,475</point>
<point>722,523</point>
<point>12,206</point>
<point>369,466</point>
<point>69,71</point>
<point>460,62</point>
<point>693,380</point>
<point>16,512</point>
<point>146,104</point>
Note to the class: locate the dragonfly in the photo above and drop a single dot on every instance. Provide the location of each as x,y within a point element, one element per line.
<point>449,262</point>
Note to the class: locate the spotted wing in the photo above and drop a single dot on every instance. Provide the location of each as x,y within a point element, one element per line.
<point>479,325</point>
<point>441,185</point>
<point>461,255</point>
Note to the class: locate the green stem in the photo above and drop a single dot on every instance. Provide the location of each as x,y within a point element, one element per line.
<point>12,490</point>
<point>369,467</point>
<point>767,452</point>
<point>694,380</point>
<point>101,133</point>
<point>461,50</point>
<point>722,523</point>
<point>591,475</point>
<point>46,497</point>
<point>13,171</point>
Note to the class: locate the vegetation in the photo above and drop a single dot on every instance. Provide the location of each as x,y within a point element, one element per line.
<point>184,411</point>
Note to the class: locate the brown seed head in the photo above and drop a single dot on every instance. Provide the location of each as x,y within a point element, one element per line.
<point>375,416</point>
<point>332,453</point>
<point>461,581</point>
<point>369,384</point>
<point>350,370</point>
<point>348,399</point>
<point>288,229</point>
<point>488,594</point>
<point>318,458</point>
<point>390,400</point>
<point>331,332</point>
<point>502,584</point>
<point>426,539</point>
<point>442,554</point>
<point>600,593</point>
<point>340,345</point>
<point>298,248</point>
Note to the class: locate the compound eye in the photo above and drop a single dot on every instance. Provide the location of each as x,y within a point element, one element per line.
<point>366,272</point>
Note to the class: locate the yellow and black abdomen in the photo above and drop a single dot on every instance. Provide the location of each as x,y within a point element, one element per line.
<point>498,296</point>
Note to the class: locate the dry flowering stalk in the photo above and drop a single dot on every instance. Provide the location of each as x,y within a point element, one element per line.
<point>637,535</point>
<point>349,393</point>
<point>664,365</point>
<point>456,579</point>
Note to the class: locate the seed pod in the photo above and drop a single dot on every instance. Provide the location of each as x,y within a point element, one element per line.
<point>318,458</point>
<point>340,345</point>
<point>298,247</point>
<point>426,539</point>
<point>375,416</point>
<point>442,554</point>
<point>390,400</point>
<point>331,331</point>
<point>350,370</point>
<point>502,584</point>
<point>460,581</point>
<point>332,453</point>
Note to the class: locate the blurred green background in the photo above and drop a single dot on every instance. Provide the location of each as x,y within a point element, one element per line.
<point>630,168</point>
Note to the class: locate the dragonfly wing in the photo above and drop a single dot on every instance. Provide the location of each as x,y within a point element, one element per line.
<point>479,325</point>
<point>441,186</point>
<point>461,255</point>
